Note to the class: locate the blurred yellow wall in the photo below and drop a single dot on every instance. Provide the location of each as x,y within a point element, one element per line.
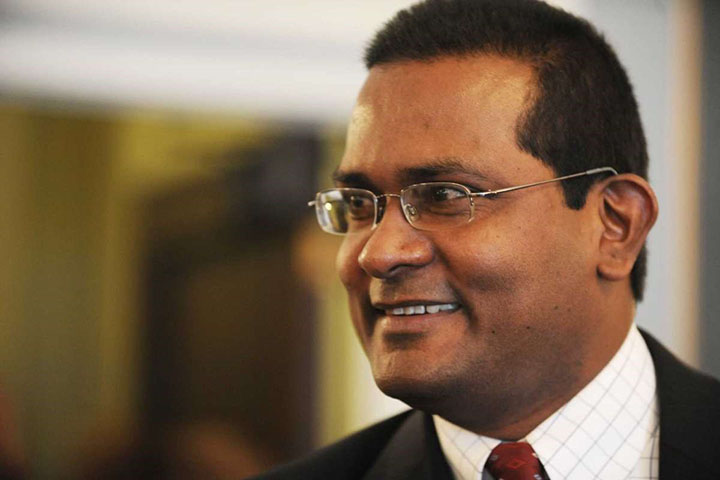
<point>72,182</point>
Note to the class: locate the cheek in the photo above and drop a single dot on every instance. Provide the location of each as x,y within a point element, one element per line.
<point>482,259</point>
<point>346,262</point>
<point>355,282</point>
<point>514,259</point>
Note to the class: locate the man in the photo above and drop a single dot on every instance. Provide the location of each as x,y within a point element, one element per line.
<point>495,208</point>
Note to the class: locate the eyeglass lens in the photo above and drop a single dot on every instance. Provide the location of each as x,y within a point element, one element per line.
<point>434,206</point>
<point>345,210</point>
<point>429,206</point>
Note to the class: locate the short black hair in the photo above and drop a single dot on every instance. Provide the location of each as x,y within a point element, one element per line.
<point>584,113</point>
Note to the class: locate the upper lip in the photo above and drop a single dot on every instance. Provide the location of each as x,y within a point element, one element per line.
<point>408,303</point>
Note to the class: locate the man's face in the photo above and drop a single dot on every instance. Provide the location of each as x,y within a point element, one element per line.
<point>516,279</point>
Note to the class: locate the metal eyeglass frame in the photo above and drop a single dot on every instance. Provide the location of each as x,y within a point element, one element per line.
<point>471,195</point>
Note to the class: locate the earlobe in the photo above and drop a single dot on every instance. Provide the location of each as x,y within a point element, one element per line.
<point>628,210</point>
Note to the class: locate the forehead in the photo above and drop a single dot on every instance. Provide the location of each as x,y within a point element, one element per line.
<point>463,111</point>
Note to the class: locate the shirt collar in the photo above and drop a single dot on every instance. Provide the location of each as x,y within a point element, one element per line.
<point>599,433</point>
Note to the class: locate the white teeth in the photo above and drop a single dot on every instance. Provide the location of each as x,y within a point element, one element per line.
<point>421,309</point>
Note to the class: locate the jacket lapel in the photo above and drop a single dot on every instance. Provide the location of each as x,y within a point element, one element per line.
<point>689,418</point>
<point>412,453</point>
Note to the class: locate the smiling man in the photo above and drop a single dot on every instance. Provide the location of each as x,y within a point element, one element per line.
<point>523,324</point>
<point>494,208</point>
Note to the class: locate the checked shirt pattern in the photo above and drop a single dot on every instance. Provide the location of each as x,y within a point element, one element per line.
<point>608,431</point>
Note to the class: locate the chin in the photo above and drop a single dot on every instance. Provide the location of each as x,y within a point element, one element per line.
<point>420,391</point>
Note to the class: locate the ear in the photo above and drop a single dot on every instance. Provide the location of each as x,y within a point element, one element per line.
<point>628,210</point>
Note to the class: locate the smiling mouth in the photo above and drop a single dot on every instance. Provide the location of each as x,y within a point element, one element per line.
<point>422,309</point>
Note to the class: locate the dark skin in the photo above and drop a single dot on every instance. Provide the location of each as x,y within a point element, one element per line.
<point>543,290</point>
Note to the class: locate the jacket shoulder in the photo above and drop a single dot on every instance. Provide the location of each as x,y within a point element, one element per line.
<point>683,387</point>
<point>346,459</point>
<point>689,417</point>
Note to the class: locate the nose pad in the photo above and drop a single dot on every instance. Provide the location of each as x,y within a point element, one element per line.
<point>382,205</point>
<point>410,211</point>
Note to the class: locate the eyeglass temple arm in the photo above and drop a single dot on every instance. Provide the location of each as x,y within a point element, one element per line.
<point>592,171</point>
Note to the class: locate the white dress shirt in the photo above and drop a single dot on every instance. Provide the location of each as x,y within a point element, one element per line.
<point>608,431</point>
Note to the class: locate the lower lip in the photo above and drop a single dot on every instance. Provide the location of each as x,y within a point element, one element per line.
<point>413,324</point>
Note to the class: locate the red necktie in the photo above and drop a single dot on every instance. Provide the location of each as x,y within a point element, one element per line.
<point>514,461</point>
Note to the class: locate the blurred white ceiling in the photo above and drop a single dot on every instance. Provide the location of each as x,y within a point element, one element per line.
<point>288,59</point>
<point>283,58</point>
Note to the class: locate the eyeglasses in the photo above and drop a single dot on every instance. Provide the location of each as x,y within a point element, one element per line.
<point>426,206</point>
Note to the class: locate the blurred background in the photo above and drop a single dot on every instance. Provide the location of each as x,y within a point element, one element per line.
<point>168,307</point>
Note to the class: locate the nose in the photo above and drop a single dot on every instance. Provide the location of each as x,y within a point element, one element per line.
<point>394,246</point>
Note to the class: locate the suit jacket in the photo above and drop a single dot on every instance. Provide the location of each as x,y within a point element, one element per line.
<point>406,446</point>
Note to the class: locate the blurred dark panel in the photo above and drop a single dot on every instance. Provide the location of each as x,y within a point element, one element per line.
<point>229,326</point>
<point>270,188</point>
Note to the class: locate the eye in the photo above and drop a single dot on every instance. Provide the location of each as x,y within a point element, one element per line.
<point>360,206</point>
<point>356,202</point>
<point>440,199</point>
<point>444,193</point>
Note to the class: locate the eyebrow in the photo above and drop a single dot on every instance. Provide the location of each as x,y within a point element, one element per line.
<point>423,172</point>
<point>354,179</point>
<point>440,166</point>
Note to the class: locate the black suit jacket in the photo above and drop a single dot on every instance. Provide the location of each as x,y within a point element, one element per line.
<point>406,446</point>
